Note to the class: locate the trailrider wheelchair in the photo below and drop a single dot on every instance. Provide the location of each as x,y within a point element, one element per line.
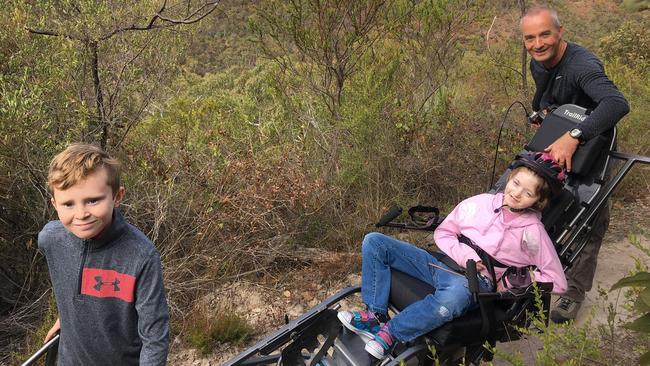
<point>318,338</point>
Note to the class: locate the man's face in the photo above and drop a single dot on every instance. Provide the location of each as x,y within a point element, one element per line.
<point>542,38</point>
<point>86,208</point>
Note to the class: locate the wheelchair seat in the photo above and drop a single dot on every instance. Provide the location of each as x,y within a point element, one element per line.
<point>464,330</point>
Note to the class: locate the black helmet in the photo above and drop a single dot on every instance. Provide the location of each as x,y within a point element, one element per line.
<point>545,166</point>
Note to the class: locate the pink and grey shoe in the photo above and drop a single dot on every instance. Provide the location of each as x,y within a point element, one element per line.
<point>380,344</point>
<point>362,323</point>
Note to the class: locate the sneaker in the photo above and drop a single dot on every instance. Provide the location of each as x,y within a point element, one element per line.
<point>362,323</point>
<point>565,309</point>
<point>380,344</point>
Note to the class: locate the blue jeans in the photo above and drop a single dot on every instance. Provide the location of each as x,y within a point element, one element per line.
<point>451,299</point>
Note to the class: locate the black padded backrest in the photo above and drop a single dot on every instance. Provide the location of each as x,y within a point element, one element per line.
<point>589,166</point>
<point>560,211</point>
<point>580,190</point>
<point>558,122</point>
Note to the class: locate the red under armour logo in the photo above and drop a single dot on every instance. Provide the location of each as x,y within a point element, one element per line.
<point>107,283</point>
<point>99,283</point>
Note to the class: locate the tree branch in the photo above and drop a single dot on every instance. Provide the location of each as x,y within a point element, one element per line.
<point>196,16</point>
<point>524,56</point>
<point>210,5</point>
<point>49,33</point>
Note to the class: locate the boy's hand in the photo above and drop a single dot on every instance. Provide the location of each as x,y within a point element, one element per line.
<point>53,331</point>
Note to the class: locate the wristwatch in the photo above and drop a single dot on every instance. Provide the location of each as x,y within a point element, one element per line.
<point>576,133</point>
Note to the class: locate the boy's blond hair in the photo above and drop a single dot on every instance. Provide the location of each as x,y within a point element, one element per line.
<point>74,164</point>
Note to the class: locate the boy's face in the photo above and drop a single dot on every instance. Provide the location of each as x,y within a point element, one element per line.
<point>86,208</point>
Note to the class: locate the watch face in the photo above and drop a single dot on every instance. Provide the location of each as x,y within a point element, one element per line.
<point>575,133</point>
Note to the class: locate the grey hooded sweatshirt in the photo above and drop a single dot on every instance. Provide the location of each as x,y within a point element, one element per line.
<point>109,294</point>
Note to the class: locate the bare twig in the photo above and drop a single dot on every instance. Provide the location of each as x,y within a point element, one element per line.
<point>487,34</point>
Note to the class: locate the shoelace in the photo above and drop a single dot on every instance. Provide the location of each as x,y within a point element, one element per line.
<point>365,320</point>
<point>565,303</point>
<point>384,338</point>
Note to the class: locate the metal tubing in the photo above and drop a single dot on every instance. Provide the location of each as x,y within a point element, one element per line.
<point>284,334</point>
<point>52,343</point>
<point>630,160</point>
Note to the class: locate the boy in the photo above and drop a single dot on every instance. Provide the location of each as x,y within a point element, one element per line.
<point>106,274</point>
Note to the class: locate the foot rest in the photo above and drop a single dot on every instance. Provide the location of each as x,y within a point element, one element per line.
<point>349,350</point>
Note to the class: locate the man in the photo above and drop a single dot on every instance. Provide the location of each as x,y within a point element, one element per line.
<point>564,73</point>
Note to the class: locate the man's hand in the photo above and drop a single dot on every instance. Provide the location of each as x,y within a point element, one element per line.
<point>562,150</point>
<point>53,331</point>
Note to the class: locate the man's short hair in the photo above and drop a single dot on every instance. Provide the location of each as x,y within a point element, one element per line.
<point>535,10</point>
<point>77,162</point>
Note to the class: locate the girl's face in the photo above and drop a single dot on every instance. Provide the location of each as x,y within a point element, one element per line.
<point>522,189</point>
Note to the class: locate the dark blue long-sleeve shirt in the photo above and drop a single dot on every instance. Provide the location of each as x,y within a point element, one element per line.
<point>579,78</point>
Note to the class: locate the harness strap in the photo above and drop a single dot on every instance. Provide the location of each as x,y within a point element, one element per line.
<point>446,260</point>
<point>491,262</point>
<point>487,259</point>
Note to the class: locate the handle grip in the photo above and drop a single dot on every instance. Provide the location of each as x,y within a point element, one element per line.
<point>389,216</point>
<point>472,279</point>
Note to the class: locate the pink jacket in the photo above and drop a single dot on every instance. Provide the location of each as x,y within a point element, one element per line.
<point>521,242</point>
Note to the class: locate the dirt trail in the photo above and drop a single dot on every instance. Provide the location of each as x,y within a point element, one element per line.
<point>617,258</point>
<point>300,286</point>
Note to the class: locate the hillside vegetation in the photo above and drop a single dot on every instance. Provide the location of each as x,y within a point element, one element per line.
<point>272,126</point>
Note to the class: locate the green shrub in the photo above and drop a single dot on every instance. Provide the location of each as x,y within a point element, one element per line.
<point>207,330</point>
<point>630,43</point>
<point>635,5</point>
<point>641,282</point>
<point>626,53</point>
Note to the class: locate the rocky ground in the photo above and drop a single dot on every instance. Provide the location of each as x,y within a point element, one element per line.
<point>290,291</point>
<point>265,302</point>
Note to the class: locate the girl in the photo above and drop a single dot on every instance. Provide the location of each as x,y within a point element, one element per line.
<point>505,225</point>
